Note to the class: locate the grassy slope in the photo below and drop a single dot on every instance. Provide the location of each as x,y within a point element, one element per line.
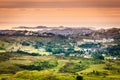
<point>62,62</point>
<point>28,59</point>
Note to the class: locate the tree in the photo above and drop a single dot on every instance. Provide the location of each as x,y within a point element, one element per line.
<point>114,50</point>
<point>40,65</point>
<point>97,55</point>
<point>38,44</point>
<point>79,78</point>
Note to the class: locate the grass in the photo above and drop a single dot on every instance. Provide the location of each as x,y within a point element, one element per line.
<point>31,49</point>
<point>61,63</point>
<point>96,67</point>
<point>2,51</point>
<point>87,73</point>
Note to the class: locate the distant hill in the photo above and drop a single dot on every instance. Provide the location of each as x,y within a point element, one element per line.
<point>107,33</point>
<point>43,30</point>
<point>24,27</point>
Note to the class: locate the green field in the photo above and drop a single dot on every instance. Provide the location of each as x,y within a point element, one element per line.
<point>2,51</point>
<point>95,70</point>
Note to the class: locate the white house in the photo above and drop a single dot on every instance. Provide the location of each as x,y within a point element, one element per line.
<point>98,41</point>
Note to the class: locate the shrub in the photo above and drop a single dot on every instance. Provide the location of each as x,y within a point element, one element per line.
<point>71,67</point>
<point>9,69</point>
<point>97,55</point>
<point>40,65</point>
<point>90,45</point>
<point>79,78</point>
<point>5,56</point>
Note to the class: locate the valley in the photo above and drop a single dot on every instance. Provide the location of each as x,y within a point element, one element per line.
<point>31,55</point>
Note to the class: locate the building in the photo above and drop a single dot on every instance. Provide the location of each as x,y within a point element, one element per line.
<point>98,41</point>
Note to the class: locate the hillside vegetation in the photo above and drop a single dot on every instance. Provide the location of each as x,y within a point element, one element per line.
<point>59,57</point>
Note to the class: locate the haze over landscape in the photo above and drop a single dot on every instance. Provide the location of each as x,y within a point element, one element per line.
<point>54,13</point>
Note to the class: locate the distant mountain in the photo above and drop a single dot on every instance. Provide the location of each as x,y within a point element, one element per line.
<point>113,33</point>
<point>21,27</point>
<point>24,27</point>
<point>41,27</point>
<point>43,30</point>
<point>107,33</point>
<point>12,33</point>
<point>70,31</point>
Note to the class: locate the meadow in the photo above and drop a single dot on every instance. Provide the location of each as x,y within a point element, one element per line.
<point>26,67</point>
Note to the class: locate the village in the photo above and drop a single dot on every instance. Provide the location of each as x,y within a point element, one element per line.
<point>84,48</point>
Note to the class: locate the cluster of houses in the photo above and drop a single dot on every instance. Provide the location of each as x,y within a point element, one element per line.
<point>104,40</point>
<point>76,48</point>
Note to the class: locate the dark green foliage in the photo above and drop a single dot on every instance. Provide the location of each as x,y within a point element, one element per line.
<point>25,44</point>
<point>114,50</point>
<point>90,45</point>
<point>71,67</point>
<point>5,56</point>
<point>57,47</point>
<point>71,51</point>
<point>37,44</point>
<point>9,69</point>
<point>40,65</point>
<point>79,78</point>
<point>57,50</point>
<point>26,53</point>
<point>97,55</point>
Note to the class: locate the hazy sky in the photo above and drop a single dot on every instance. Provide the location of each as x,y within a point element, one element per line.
<point>69,13</point>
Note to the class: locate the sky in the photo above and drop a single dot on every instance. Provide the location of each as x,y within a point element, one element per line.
<point>55,13</point>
